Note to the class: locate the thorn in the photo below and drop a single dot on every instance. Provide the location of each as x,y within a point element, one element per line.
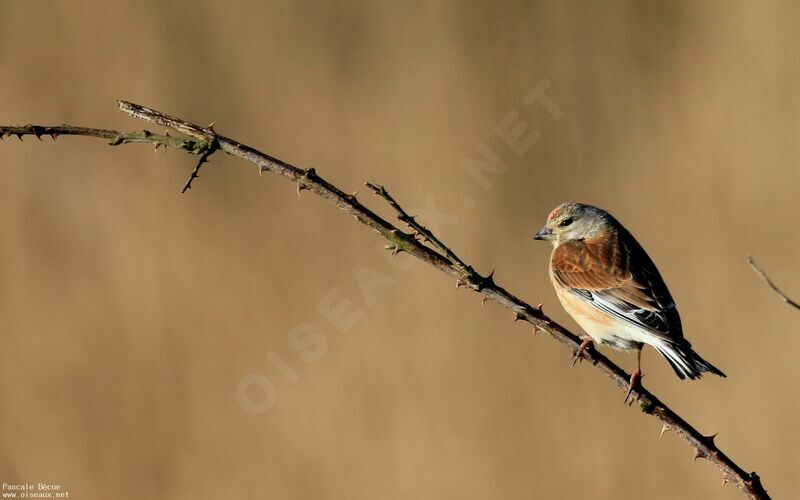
<point>518,316</point>
<point>157,145</point>
<point>724,482</point>
<point>352,196</point>
<point>394,248</point>
<point>37,131</point>
<point>664,429</point>
<point>483,301</point>
<point>539,307</point>
<point>711,438</point>
<point>310,173</point>
<point>698,454</point>
<point>19,135</point>
<point>300,187</point>
<point>459,284</point>
<point>535,331</point>
<point>54,135</point>
<point>488,281</point>
<point>211,125</point>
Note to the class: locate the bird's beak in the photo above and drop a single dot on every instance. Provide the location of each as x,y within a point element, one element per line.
<point>545,234</point>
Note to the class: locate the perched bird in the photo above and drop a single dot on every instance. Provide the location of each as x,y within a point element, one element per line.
<point>608,284</point>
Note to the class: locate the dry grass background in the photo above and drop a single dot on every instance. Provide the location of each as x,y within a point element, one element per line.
<point>130,313</point>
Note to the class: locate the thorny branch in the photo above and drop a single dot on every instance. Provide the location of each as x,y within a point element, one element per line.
<point>115,138</point>
<point>204,141</point>
<point>760,272</point>
<point>418,228</point>
<point>210,148</point>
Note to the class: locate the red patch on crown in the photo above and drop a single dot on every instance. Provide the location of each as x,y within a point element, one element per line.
<point>554,213</point>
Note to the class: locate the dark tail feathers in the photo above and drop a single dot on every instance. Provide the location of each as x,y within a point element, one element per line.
<point>686,362</point>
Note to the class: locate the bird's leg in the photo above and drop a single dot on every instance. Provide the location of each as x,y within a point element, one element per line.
<point>636,377</point>
<point>579,351</point>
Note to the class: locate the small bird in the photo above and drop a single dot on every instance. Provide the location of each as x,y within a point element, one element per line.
<point>611,288</point>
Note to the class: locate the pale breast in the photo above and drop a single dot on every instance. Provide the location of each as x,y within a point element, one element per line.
<point>601,327</point>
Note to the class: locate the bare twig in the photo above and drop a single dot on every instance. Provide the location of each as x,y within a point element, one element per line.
<point>419,229</point>
<point>439,257</point>
<point>211,147</point>
<point>115,138</point>
<point>760,272</point>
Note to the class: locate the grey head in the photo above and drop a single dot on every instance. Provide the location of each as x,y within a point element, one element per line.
<point>573,221</point>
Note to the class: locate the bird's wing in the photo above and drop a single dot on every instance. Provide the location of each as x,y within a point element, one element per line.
<point>614,274</point>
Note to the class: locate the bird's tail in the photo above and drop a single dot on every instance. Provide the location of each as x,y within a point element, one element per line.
<point>685,362</point>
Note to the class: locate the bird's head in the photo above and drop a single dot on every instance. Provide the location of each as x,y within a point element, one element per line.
<point>573,221</point>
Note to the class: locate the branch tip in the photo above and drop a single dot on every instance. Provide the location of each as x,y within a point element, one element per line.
<point>763,275</point>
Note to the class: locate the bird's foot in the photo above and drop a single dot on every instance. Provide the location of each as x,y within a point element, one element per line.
<point>579,351</point>
<point>634,385</point>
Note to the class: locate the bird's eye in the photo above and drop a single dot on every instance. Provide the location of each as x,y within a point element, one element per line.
<point>566,222</point>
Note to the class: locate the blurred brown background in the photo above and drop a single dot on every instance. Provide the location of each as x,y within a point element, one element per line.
<point>130,314</point>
